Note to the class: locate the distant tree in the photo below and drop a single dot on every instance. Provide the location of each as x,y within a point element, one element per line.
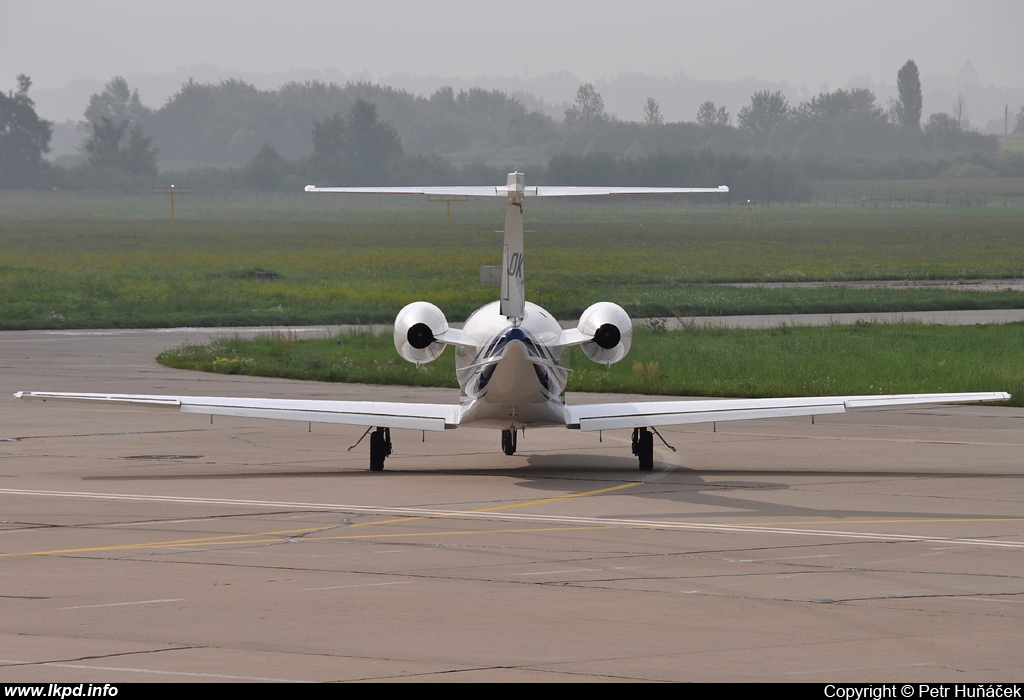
<point>532,128</point>
<point>1019,129</point>
<point>329,144</point>
<point>945,134</point>
<point>766,111</point>
<point>24,137</point>
<point>454,121</point>
<point>226,123</point>
<point>113,130</point>
<point>117,102</point>
<point>588,110</point>
<point>831,107</point>
<point>358,148</point>
<point>106,145</point>
<point>444,98</point>
<point>943,126</point>
<point>892,111</point>
<point>960,112</point>
<point>652,113</point>
<point>104,141</point>
<point>371,146</point>
<point>708,115</point>
<point>841,122</point>
<point>139,154</point>
<point>908,107</point>
<point>266,169</point>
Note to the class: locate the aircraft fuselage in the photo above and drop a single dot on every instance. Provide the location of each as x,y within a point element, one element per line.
<point>512,376</point>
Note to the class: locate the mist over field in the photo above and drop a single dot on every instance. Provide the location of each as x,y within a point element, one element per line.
<point>460,84</point>
<point>541,47</point>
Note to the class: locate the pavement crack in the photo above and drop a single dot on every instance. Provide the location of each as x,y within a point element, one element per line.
<point>98,657</point>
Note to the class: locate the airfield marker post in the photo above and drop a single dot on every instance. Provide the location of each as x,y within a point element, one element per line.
<point>448,204</point>
<point>172,191</point>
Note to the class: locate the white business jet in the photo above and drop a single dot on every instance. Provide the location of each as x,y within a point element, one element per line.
<point>511,360</point>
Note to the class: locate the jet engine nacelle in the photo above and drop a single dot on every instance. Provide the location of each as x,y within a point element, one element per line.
<point>612,330</point>
<point>417,328</point>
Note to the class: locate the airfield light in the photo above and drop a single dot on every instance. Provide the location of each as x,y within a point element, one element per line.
<point>172,191</point>
<point>448,203</point>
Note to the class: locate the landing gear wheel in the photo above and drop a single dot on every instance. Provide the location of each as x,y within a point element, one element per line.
<point>380,448</point>
<point>508,442</point>
<point>643,448</point>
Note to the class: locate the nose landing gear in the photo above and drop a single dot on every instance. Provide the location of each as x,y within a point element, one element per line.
<point>508,441</point>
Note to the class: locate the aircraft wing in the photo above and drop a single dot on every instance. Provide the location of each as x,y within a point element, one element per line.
<point>422,416</point>
<point>379,414</point>
<point>646,414</point>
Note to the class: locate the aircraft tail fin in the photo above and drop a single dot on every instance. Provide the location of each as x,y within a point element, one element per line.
<point>513,292</point>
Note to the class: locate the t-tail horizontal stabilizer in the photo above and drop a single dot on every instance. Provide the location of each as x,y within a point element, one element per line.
<point>513,289</point>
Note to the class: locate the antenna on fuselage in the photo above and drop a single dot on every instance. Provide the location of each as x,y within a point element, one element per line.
<point>513,294</point>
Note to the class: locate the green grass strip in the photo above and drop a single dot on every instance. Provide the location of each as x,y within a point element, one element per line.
<point>864,358</point>
<point>72,262</point>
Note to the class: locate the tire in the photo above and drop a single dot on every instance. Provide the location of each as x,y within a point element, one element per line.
<point>377,450</point>
<point>645,450</point>
<point>508,442</point>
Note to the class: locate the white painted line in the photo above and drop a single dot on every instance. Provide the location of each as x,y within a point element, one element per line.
<point>578,571</point>
<point>522,517</point>
<point>358,585</point>
<point>134,602</point>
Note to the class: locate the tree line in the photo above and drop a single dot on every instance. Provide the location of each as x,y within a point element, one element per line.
<point>232,135</point>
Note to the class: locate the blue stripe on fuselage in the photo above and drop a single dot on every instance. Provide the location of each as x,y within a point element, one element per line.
<point>496,349</point>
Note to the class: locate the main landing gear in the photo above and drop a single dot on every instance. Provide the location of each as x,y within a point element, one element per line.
<point>380,448</point>
<point>643,448</point>
<point>508,441</point>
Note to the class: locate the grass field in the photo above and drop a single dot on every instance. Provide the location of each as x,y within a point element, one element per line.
<point>68,261</point>
<point>786,361</point>
<point>73,262</point>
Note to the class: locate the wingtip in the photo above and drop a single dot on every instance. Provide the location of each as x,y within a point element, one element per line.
<point>310,188</point>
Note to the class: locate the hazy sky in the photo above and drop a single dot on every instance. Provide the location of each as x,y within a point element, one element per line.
<point>806,42</point>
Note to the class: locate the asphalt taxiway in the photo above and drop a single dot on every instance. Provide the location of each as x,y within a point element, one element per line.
<point>148,545</point>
